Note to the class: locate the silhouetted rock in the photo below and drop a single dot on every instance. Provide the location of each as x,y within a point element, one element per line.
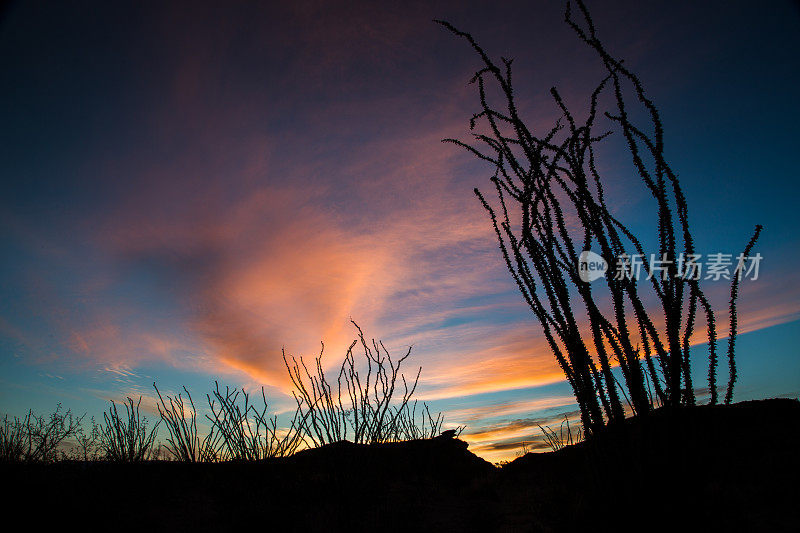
<point>713,467</point>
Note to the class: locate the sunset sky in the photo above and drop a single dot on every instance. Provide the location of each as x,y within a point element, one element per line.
<point>186,189</point>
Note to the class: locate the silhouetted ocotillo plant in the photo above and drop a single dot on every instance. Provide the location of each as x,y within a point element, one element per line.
<point>184,444</point>
<point>240,431</point>
<point>408,427</point>
<point>737,276</point>
<point>360,406</point>
<point>127,439</point>
<point>558,439</point>
<point>542,179</point>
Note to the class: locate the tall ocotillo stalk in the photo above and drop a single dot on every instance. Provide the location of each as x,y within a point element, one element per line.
<point>737,276</point>
<point>541,182</point>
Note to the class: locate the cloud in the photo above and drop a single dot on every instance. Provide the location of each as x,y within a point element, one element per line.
<point>277,266</point>
<point>506,408</point>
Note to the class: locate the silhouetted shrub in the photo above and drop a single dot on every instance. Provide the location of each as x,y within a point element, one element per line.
<point>83,446</point>
<point>410,427</point>
<point>36,438</point>
<point>360,407</point>
<point>183,443</point>
<point>12,439</point>
<point>240,431</point>
<point>558,439</point>
<point>127,439</point>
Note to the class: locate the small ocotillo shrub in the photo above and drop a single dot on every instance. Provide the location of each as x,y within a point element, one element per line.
<point>242,431</point>
<point>557,439</point>
<point>180,419</point>
<point>362,406</point>
<point>127,438</point>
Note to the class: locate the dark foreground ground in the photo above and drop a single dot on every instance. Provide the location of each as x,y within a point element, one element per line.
<point>711,468</point>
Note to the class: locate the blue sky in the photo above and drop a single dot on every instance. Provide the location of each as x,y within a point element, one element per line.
<point>189,188</point>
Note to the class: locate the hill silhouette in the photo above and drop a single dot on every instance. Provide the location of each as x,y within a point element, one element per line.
<point>735,465</point>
